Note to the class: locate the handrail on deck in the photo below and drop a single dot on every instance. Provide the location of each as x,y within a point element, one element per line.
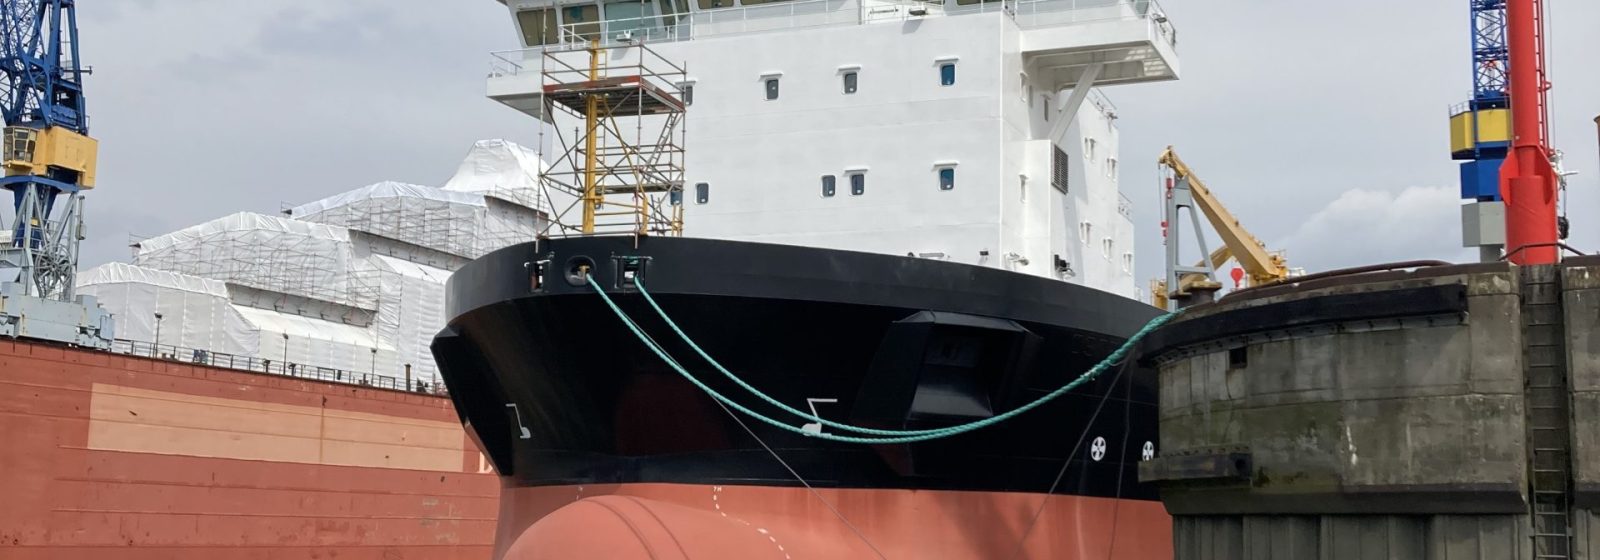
<point>275,367</point>
<point>802,14</point>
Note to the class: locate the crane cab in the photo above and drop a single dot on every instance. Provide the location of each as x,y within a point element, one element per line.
<point>55,152</point>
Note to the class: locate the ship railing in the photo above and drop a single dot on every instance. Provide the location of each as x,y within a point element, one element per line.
<point>1045,13</point>
<point>269,366</point>
<point>786,15</point>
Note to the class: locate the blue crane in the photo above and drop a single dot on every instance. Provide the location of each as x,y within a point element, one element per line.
<point>46,152</point>
<point>1480,129</point>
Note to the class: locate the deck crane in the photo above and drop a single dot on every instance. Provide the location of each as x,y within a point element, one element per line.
<point>1185,190</point>
<point>48,157</point>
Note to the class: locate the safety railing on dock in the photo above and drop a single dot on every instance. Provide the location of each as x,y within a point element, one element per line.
<point>274,367</point>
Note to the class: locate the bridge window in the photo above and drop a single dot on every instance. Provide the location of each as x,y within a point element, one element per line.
<point>702,193</point>
<point>828,182</point>
<point>713,4</point>
<point>858,183</point>
<point>538,27</point>
<point>624,18</point>
<point>947,73</point>
<point>670,10</point>
<point>583,21</point>
<point>850,82</point>
<point>947,178</point>
<point>772,88</point>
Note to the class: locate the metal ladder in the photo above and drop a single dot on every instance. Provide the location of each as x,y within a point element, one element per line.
<point>1548,412</point>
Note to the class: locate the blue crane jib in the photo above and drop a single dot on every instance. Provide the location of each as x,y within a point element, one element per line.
<point>45,149</point>
<point>1480,129</point>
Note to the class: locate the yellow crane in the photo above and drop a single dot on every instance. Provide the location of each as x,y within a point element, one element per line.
<point>1186,190</point>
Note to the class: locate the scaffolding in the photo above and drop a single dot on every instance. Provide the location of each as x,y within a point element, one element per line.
<point>280,255</point>
<point>619,178</point>
<point>458,223</point>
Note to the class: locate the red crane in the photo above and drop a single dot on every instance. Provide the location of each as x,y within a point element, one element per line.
<point>1527,179</point>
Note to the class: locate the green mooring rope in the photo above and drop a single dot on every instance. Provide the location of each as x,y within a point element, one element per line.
<point>896,436</point>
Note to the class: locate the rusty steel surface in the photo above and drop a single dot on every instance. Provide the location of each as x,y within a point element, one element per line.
<point>111,456</point>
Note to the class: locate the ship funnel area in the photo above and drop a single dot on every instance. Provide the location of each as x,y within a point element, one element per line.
<point>1428,413</point>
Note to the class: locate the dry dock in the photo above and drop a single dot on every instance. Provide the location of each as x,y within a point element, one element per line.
<point>1444,412</point>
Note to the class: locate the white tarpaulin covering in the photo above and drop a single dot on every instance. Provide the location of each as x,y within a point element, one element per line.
<point>268,253</point>
<point>501,169</point>
<point>220,285</point>
<point>425,216</point>
<point>455,222</point>
<point>412,310</point>
<point>195,312</point>
<point>316,342</point>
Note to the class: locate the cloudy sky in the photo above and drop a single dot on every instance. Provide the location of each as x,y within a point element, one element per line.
<point>1322,126</point>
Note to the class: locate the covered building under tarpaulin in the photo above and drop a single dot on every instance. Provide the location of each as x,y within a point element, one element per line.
<point>352,282</point>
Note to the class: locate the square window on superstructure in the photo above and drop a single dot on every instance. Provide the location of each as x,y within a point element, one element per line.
<point>947,178</point>
<point>772,88</point>
<point>688,94</point>
<point>1088,149</point>
<point>858,183</point>
<point>850,82</point>
<point>1106,246</point>
<point>947,73</point>
<point>1111,168</point>
<point>828,184</point>
<point>1085,231</point>
<point>1127,263</point>
<point>702,193</point>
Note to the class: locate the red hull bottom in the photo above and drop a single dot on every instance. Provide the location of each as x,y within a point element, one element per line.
<point>699,522</point>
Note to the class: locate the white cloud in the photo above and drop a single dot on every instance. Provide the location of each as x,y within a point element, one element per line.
<point>1364,226</point>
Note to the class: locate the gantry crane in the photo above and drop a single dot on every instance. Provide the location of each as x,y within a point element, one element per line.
<point>1185,190</point>
<point>48,157</point>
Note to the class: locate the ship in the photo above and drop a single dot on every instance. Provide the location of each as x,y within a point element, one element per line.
<point>786,219</point>
<point>260,385</point>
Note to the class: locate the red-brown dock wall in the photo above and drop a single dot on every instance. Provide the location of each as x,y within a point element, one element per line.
<point>111,456</point>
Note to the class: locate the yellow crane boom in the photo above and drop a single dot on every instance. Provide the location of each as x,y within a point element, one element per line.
<point>1260,265</point>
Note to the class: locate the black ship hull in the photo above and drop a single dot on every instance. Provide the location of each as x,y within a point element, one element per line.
<point>558,392</point>
<point>605,452</point>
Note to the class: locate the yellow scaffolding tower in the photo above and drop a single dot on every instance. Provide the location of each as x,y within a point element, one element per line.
<point>623,167</point>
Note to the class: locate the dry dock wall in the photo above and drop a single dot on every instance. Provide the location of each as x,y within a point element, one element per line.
<point>114,456</point>
<point>1443,413</point>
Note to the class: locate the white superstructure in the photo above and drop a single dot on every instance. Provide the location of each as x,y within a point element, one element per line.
<point>965,131</point>
<point>352,283</point>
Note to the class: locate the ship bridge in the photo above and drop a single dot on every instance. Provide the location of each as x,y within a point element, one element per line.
<point>1064,43</point>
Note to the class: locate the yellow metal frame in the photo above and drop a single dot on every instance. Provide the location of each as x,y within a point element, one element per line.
<point>1260,265</point>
